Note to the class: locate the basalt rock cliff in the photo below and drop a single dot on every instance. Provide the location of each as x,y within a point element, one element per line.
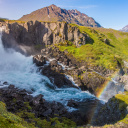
<point>31,37</point>
<point>54,13</point>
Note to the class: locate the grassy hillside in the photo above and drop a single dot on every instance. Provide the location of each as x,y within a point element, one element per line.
<point>9,120</point>
<point>106,47</point>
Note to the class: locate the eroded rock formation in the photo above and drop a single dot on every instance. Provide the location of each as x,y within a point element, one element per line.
<point>31,36</point>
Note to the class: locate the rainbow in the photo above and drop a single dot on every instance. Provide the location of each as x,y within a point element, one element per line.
<point>104,86</point>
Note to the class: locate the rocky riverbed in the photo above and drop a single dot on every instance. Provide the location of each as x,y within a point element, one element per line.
<point>18,100</point>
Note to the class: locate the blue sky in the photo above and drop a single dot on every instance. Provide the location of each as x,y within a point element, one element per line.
<point>109,13</point>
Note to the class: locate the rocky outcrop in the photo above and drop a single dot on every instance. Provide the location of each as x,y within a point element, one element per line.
<point>58,75</point>
<point>86,77</point>
<point>39,60</point>
<point>31,37</point>
<point>21,101</point>
<point>114,110</point>
<point>53,71</point>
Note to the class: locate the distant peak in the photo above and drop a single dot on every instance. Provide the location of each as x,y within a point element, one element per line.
<point>53,5</point>
<point>54,13</point>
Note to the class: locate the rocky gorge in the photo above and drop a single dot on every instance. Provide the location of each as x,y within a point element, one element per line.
<point>63,71</point>
<point>31,37</point>
<point>38,35</point>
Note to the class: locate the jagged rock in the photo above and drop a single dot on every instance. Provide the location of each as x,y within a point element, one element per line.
<point>11,86</point>
<point>53,71</point>
<point>109,113</point>
<point>91,78</point>
<point>72,103</point>
<point>56,77</point>
<point>106,41</point>
<point>16,102</point>
<point>48,112</point>
<point>36,100</point>
<point>40,34</point>
<point>5,83</point>
<point>39,60</point>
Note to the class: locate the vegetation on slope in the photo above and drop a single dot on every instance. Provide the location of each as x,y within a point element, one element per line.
<point>123,104</point>
<point>106,49</point>
<point>9,120</point>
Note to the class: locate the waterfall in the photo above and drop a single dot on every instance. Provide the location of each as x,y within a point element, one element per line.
<point>20,71</point>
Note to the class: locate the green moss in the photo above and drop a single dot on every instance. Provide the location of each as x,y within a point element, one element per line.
<point>125,120</point>
<point>27,105</point>
<point>123,97</point>
<point>9,120</point>
<point>123,103</point>
<point>59,122</point>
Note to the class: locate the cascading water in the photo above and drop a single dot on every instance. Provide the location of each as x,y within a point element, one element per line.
<point>112,88</point>
<point>19,70</point>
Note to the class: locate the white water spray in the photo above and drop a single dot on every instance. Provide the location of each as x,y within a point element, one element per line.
<point>19,70</point>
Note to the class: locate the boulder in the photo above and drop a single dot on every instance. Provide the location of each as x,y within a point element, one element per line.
<point>47,113</point>
<point>72,103</point>
<point>39,60</point>
<point>36,100</point>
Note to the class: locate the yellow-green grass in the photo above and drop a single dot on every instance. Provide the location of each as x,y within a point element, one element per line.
<point>15,21</point>
<point>9,120</point>
<point>97,52</point>
<point>123,98</point>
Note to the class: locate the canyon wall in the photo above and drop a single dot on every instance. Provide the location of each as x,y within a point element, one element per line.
<point>38,35</point>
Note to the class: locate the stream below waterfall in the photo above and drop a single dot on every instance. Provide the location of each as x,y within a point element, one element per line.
<point>20,71</point>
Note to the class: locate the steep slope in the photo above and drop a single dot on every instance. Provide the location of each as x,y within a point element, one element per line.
<point>98,52</point>
<point>53,13</point>
<point>124,29</point>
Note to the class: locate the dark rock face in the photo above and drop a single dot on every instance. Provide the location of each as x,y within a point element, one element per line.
<point>90,78</point>
<point>90,81</point>
<point>53,71</point>
<point>31,37</point>
<point>19,100</point>
<point>109,113</point>
<point>53,13</point>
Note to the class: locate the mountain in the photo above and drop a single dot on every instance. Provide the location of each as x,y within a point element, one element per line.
<point>53,13</point>
<point>124,29</point>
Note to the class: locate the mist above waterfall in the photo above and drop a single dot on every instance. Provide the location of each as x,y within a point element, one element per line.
<point>19,70</point>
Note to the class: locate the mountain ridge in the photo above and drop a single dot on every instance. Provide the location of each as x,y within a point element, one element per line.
<point>124,29</point>
<point>53,13</point>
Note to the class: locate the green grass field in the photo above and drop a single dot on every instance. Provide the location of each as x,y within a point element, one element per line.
<point>99,53</point>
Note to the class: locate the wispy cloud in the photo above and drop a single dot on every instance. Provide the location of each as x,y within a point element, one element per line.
<point>78,7</point>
